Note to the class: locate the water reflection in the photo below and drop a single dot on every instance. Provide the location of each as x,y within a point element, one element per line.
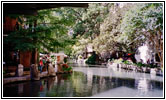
<point>79,84</point>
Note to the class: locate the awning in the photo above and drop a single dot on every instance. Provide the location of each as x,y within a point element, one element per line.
<point>31,8</point>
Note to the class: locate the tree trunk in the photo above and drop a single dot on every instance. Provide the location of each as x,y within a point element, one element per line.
<point>34,56</point>
<point>161,47</point>
<point>35,51</point>
<point>157,42</point>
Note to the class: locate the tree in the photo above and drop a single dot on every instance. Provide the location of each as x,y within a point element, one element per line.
<point>144,22</point>
<point>101,23</point>
<point>90,20</point>
<point>110,30</point>
<point>88,27</point>
<point>46,31</point>
<point>80,46</point>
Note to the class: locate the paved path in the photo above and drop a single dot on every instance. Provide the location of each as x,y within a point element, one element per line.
<point>23,78</point>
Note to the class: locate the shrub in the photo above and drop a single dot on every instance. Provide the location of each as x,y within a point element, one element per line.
<point>91,59</point>
<point>118,61</point>
<point>126,62</point>
<point>67,69</point>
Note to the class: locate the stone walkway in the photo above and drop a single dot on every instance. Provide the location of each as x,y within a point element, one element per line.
<point>23,78</point>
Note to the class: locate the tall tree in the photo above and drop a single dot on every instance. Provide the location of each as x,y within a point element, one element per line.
<point>90,20</point>
<point>44,31</point>
<point>144,22</point>
<point>110,29</point>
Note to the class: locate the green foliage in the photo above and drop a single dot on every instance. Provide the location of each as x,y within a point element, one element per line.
<point>109,37</point>
<point>139,64</point>
<point>118,61</point>
<point>106,26</point>
<point>80,46</point>
<point>126,62</point>
<point>92,59</point>
<point>65,60</point>
<point>144,22</point>
<point>152,66</point>
<point>26,39</point>
<point>90,20</point>
<point>139,20</point>
<point>66,69</point>
<point>88,27</point>
<point>50,34</point>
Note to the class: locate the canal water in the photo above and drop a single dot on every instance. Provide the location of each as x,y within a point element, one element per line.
<point>90,82</point>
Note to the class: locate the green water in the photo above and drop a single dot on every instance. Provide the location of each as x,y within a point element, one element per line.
<point>79,84</point>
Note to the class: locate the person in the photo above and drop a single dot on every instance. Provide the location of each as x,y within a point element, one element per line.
<point>148,61</point>
<point>47,63</point>
<point>44,63</point>
<point>40,65</point>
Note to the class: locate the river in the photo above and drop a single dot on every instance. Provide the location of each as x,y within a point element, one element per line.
<point>90,82</point>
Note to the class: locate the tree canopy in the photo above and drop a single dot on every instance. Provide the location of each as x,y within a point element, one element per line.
<point>144,22</point>
<point>46,31</point>
<point>105,26</point>
<point>122,27</point>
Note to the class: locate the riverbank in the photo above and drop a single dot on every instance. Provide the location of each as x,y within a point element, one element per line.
<point>27,77</point>
<point>22,78</point>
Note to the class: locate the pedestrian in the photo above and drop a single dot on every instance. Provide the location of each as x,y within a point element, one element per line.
<point>148,61</point>
<point>47,63</point>
<point>40,65</point>
<point>44,63</point>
